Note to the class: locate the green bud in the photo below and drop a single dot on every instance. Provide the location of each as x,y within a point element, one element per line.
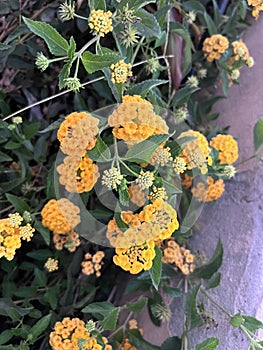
<point>11,127</point>
<point>27,216</point>
<point>237,320</point>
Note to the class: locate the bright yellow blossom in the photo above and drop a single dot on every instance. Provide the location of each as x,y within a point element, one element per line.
<point>100,22</point>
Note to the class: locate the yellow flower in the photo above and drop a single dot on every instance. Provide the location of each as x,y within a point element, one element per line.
<point>120,72</point>
<point>137,194</point>
<point>215,46</point>
<point>77,133</point>
<point>133,259</point>
<point>134,120</point>
<point>78,175</point>
<point>157,192</point>
<point>100,22</point>
<point>195,152</point>
<point>179,165</point>
<point>93,263</point>
<point>161,156</point>
<point>211,191</point>
<point>257,7</point>
<point>15,220</point>
<point>145,179</point>
<point>227,147</point>
<point>60,216</point>
<point>51,265</point>
<point>68,334</point>
<point>26,232</point>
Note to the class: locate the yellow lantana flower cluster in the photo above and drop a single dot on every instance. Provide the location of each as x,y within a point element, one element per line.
<point>100,22</point>
<point>209,191</point>
<point>227,147</point>
<point>179,256</point>
<point>77,134</point>
<point>93,263</point>
<point>257,7</point>
<point>135,245</point>
<point>69,333</point>
<point>134,120</point>
<point>11,234</point>
<point>241,52</point>
<point>78,175</point>
<point>61,217</point>
<point>120,72</point>
<point>195,152</point>
<point>136,258</point>
<point>215,46</point>
<point>161,156</point>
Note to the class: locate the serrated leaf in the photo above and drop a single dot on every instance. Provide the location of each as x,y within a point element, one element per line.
<point>214,281</point>
<point>72,48</point>
<point>110,320</point>
<point>45,233</point>
<point>258,134</point>
<point>63,75</point>
<point>206,271</point>
<point>251,323</point>
<point>18,203</point>
<point>5,336</point>
<point>193,318</point>
<point>141,152</point>
<point>156,270</point>
<point>148,26</point>
<point>194,5</point>
<point>136,4</point>
<point>144,87</point>
<point>40,278</point>
<point>208,344</point>
<point>172,343</point>
<point>93,63</point>
<point>100,152</point>
<point>97,5</point>
<point>175,292</point>
<point>39,328</point>
<point>124,196</point>
<point>183,95</point>
<point>99,309</point>
<point>57,45</point>
<point>138,305</point>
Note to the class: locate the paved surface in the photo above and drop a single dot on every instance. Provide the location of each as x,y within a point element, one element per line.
<point>237,217</point>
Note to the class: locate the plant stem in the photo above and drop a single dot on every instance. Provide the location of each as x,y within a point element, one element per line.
<point>137,49</point>
<point>128,168</point>
<point>245,160</point>
<point>49,99</point>
<point>89,43</point>
<point>221,308</point>
<point>81,17</point>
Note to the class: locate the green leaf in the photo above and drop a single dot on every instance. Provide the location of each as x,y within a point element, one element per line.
<point>99,309</point>
<point>193,317</point>
<point>141,152</point>
<point>194,5</point>
<point>156,270</point>
<point>40,254</point>
<point>136,4</point>
<point>144,87</point>
<point>172,343</point>
<point>210,24</point>
<point>175,292</point>
<point>208,344</point>
<point>63,75</point>
<point>217,16</point>
<point>138,305</point>
<point>110,320</point>
<point>53,126</point>
<point>45,233</point>
<point>93,63</point>
<point>137,340</point>
<point>97,5</point>
<point>18,203</point>
<point>57,45</point>
<point>101,152</point>
<point>6,304</point>
<point>183,95</point>
<point>124,196</point>
<point>13,314</point>
<point>40,278</point>
<point>148,26</point>
<point>252,324</point>
<point>225,82</point>
<point>39,328</point>
<point>258,134</point>
<point>116,89</point>
<point>72,48</point>
<point>31,130</point>
<point>214,281</point>
<point>206,271</point>
<point>5,336</point>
